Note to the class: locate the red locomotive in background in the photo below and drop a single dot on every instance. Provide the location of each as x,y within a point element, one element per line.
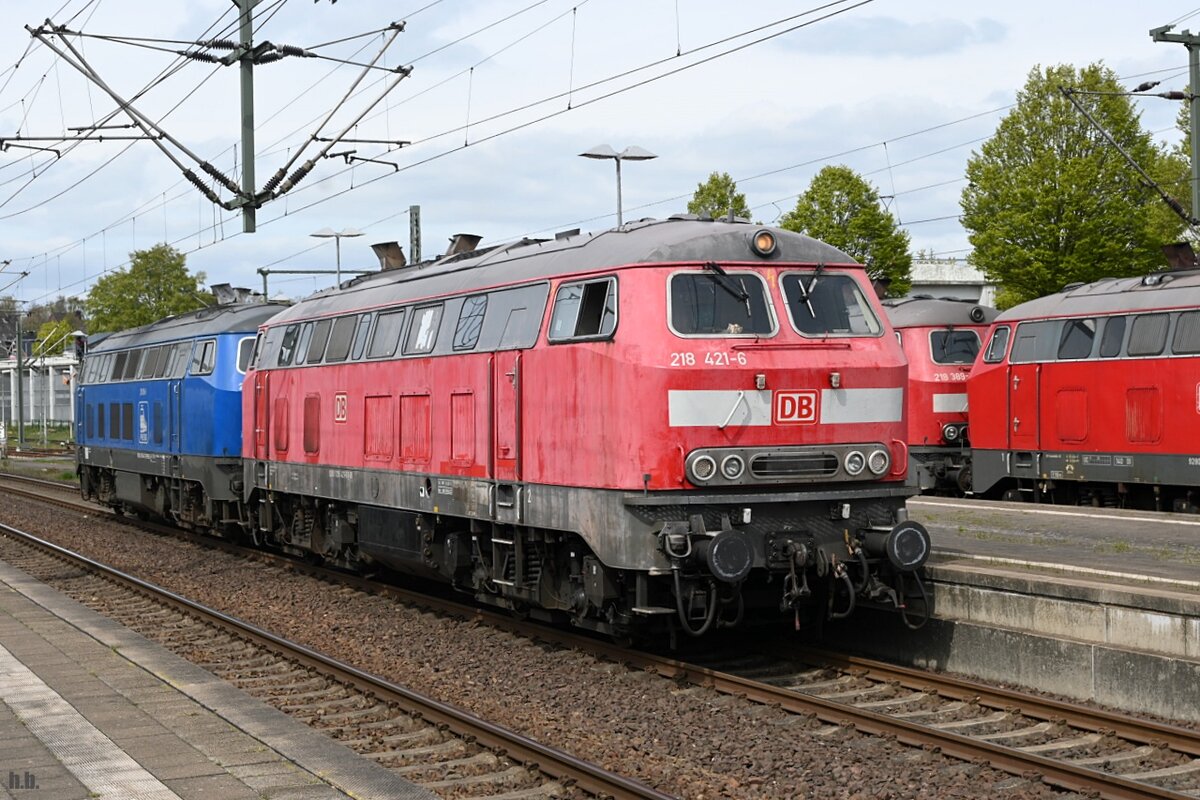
<point>1092,395</point>
<point>941,338</point>
<point>682,422</point>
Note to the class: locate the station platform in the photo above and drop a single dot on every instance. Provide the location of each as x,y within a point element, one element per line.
<point>90,709</point>
<point>1091,603</point>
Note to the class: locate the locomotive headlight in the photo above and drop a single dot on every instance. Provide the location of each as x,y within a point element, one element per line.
<point>950,432</point>
<point>703,468</point>
<point>733,467</point>
<point>763,243</point>
<point>878,461</point>
<point>855,462</point>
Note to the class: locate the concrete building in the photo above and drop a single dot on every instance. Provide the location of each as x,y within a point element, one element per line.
<point>952,278</point>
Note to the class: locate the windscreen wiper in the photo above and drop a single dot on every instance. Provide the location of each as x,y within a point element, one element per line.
<point>723,280</point>
<point>806,291</point>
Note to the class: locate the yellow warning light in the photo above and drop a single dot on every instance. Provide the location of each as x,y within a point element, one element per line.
<point>763,243</point>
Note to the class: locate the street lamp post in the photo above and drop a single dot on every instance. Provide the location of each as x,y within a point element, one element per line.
<point>631,153</point>
<point>337,236</point>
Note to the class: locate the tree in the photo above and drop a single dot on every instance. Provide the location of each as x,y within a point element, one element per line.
<point>1049,201</point>
<point>842,209</point>
<point>53,338</point>
<point>156,285</point>
<point>714,196</point>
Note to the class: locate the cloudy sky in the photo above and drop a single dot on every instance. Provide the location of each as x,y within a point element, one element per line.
<point>502,97</point>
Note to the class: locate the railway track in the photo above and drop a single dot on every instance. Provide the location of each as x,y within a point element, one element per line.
<point>448,751</point>
<point>1064,745</point>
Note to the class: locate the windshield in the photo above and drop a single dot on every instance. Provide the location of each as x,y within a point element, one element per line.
<point>720,304</point>
<point>954,347</point>
<point>828,304</point>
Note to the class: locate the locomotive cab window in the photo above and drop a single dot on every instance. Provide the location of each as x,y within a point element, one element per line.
<point>287,348</point>
<point>953,347</point>
<point>422,334</point>
<point>470,322</point>
<point>720,303</point>
<point>997,346</point>
<point>828,305</point>
<point>150,361</point>
<point>132,363</point>
<point>118,367</point>
<point>302,343</point>
<point>204,357</point>
<point>1034,342</point>
<point>247,350</point>
<point>584,311</point>
<point>1077,338</point>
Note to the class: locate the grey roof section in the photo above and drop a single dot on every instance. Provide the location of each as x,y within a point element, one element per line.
<point>1180,289</point>
<point>675,240</point>
<point>205,322</point>
<point>918,312</point>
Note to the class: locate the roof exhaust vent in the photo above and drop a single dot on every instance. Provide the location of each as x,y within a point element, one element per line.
<point>391,256</point>
<point>1180,255</point>
<point>229,295</point>
<point>558,237</point>
<point>463,243</point>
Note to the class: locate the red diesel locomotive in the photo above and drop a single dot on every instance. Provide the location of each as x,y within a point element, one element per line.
<point>683,422</point>
<point>1092,396</point>
<point>941,338</point>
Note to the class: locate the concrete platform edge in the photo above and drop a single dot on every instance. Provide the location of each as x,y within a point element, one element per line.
<point>321,755</point>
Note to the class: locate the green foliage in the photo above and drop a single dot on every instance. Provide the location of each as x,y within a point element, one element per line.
<point>842,209</point>
<point>156,285</point>
<point>54,337</point>
<point>1050,202</point>
<point>713,198</point>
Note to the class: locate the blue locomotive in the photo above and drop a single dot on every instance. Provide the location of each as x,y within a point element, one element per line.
<point>158,414</point>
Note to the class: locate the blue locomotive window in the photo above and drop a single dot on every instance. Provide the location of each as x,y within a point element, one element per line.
<point>204,357</point>
<point>1148,336</point>
<point>1077,338</point>
<point>100,421</point>
<point>422,334</point>
<point>387,335</point>
<point>246,349</point>
<point>340,339</point>
<point>585,310</point>
<point>360,336</point>
<point>126,421</point>
<point>150,361</point>
<point>470,322</point>
<point>287,347</point>
<point>158,423</point>
<point>1187,333</point>
<point>1114,334</point>
<point>828,305</point>
<point>179,360</point>
<point>132,363</point>
<point>316,345</point>
<point>953,347</point>
<point>90,415</point>
<point>114,420</point>
<point>118,368</point>
<point>997,346</point>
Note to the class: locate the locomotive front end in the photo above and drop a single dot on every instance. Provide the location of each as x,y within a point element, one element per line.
<point>785,437</point>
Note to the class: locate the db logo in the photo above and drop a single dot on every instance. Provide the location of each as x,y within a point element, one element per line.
<point>795,407</point>
<point>339,407</point>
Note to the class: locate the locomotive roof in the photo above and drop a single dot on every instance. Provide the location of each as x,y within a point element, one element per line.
<point>924,311</point>
<point>209,321</point>
<point>1114,295</point>
<point>677,239</point>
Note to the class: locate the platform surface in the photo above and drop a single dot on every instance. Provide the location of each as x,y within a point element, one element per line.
<point>90,709</point>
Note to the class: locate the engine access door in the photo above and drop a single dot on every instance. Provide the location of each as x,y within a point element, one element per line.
<point>1023,398</point>
<point>506,416</point>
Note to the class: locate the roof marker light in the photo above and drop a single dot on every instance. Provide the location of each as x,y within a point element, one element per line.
<point>763,243</point>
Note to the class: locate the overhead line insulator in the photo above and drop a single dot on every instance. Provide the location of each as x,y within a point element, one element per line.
<point>204,190</point>
<point>197,55</point>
